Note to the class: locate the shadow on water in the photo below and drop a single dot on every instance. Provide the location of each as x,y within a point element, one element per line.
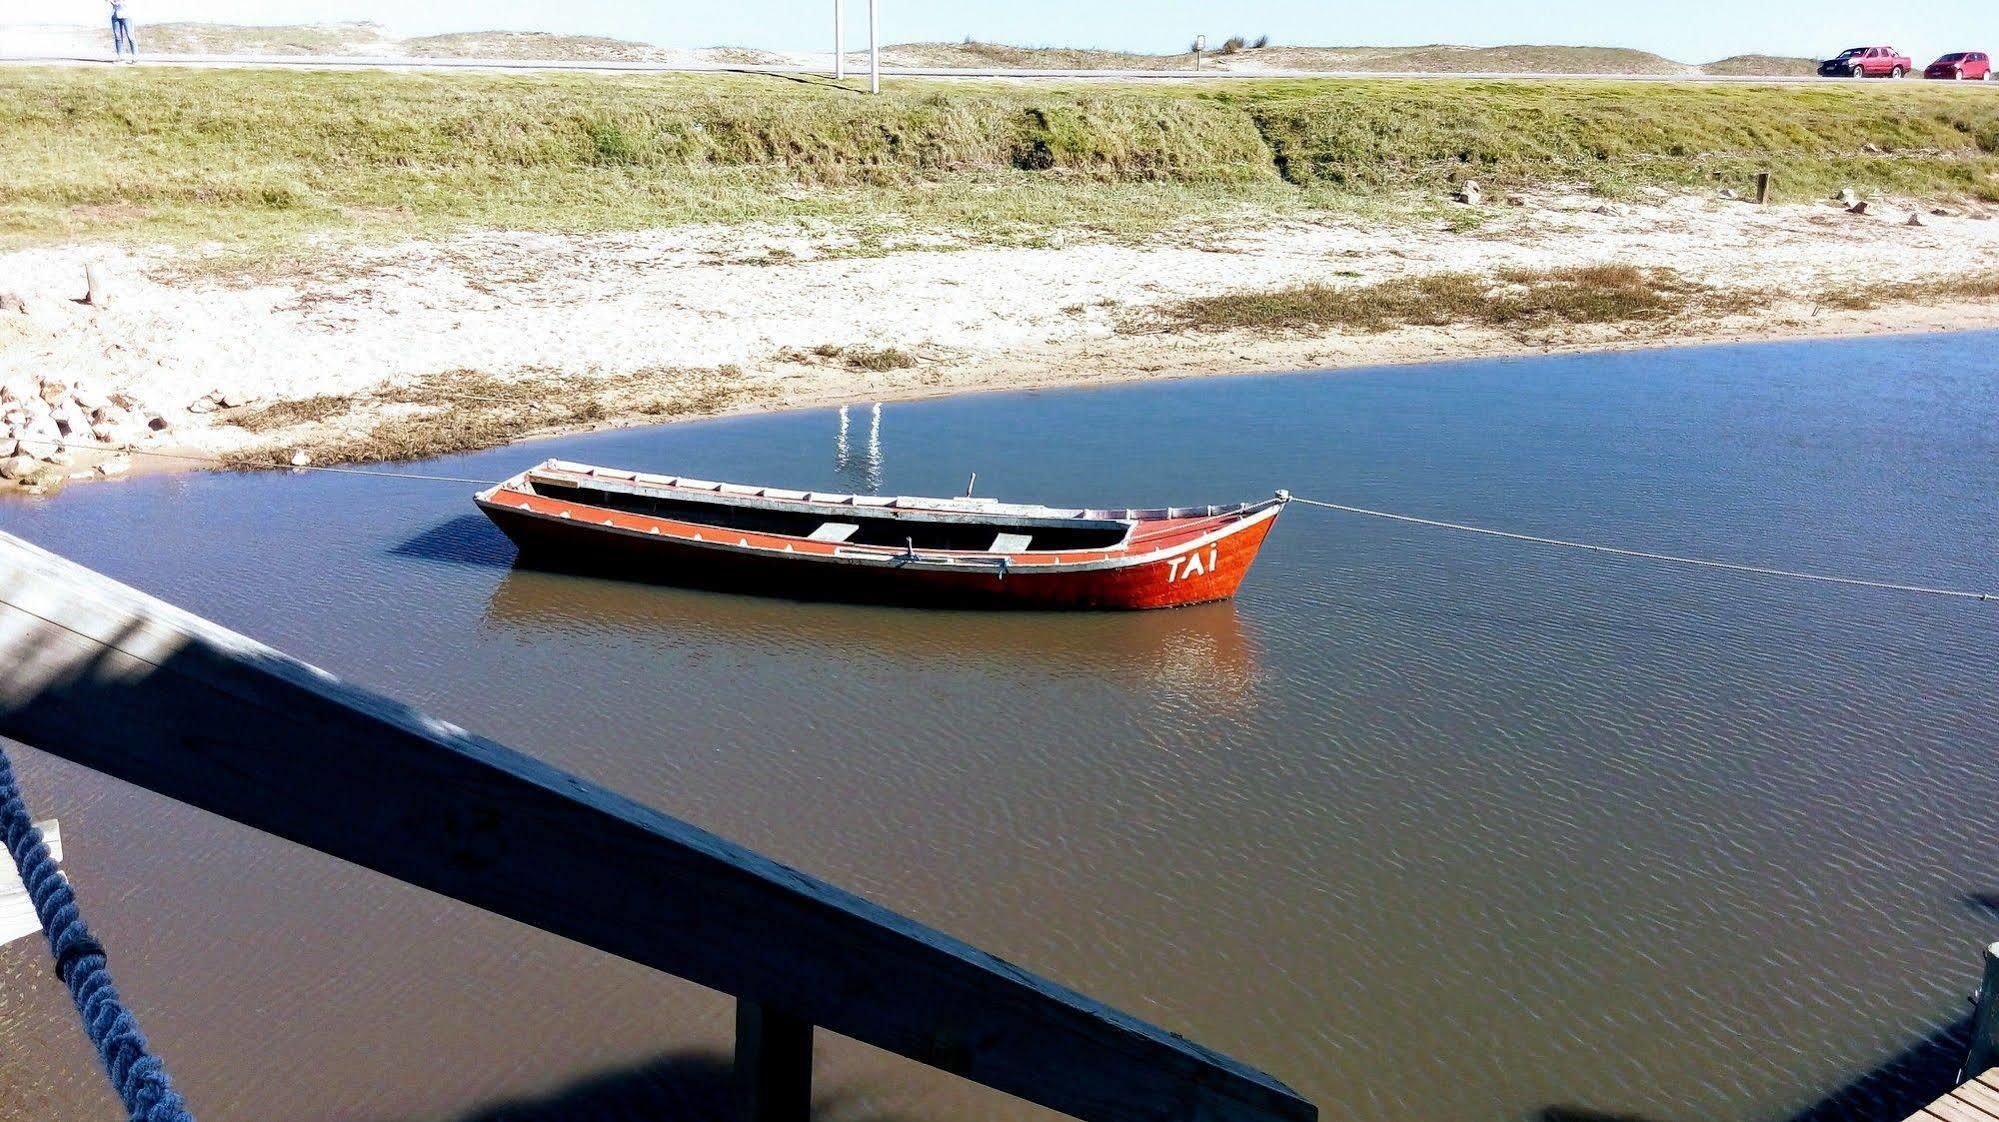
<point>685,1087</point>
<point>469,539</point>
<point>1982,901</point>
<point>1585,1114</point>
<point>1900,1085</point>
<point>1888,1092</point>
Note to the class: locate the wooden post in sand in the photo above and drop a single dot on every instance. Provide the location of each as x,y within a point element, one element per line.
<point>1762,187</point>
<point>95,294</point>
<point>1983,1053</point>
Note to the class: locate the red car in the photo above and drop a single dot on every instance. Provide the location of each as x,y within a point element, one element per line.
<point>1867,62</point>
<point>1962,66</point>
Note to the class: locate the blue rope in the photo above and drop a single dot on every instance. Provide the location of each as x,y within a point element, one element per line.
<point>136,1074</point>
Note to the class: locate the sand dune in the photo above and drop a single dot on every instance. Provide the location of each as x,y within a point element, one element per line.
<point>373,40</point>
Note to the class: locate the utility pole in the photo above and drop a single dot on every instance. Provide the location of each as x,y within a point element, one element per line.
<point>874,46</point>
<point>839,40</point>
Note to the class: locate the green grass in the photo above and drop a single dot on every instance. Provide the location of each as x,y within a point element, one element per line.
<point>260,158</point>
<point>1616,137</point>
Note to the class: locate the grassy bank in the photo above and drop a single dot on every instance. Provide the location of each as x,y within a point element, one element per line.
<point>1528,303</point>
<point>263,156</point>
<point>462,410</point>
<point>1516,300</point>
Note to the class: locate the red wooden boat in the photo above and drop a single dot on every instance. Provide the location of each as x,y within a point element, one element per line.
<point>963,552</point>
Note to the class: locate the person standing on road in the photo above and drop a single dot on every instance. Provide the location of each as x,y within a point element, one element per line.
<point>121,32</point>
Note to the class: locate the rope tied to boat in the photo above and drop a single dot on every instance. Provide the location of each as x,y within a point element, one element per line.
<point>1644,555</point>
<point>1462,527</point>
<point>138,1076</point>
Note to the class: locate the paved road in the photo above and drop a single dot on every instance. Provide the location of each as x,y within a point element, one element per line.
<point>346,62</point>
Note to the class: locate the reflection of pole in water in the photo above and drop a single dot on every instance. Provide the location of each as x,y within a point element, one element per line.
<point>862,472</point>
<point>874,461</point>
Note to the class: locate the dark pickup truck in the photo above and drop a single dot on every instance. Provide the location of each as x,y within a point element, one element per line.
<point>1867,62</point>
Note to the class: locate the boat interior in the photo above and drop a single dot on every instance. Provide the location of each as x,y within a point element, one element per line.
<point>860,526</point>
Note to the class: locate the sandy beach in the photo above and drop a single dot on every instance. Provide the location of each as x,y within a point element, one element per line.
<point>698,321</point>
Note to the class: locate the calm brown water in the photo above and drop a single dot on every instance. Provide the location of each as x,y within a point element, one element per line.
<point>1428,826</point>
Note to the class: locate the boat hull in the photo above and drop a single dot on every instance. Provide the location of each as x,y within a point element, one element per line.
<point>1198,573</point>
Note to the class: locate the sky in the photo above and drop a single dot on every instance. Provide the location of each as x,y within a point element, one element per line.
<point>1689,30</point>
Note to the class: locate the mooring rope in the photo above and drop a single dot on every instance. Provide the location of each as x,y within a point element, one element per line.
<point>1669,558</point>
<point>1563,543</point>
<point>136,1074</point>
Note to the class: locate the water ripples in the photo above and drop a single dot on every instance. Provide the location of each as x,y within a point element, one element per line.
<point>1426,825</point>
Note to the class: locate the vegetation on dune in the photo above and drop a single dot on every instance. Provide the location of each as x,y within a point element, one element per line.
<point>267,155</point>
<point>978,54</point>
<point>529,45</point>
<point>1763,65</point>
<point>357,38</point>
<point>238,39</point>
<point>1519,58</point>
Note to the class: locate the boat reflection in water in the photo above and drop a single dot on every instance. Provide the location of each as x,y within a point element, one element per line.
<point>1203,653</point>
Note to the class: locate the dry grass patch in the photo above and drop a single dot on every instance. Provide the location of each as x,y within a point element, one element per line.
<point>974,54</point>
<point>877,358</point>
<point>295,39</point>
<point>874,359</point>
<point>531,45</point>
<point>1753,65</point>
<point>290,414</point>
<point>1513,299</point>
<point>465,410</point>
<point>1856,298</point>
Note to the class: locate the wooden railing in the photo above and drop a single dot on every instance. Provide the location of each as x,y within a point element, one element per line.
<point>106,676</point>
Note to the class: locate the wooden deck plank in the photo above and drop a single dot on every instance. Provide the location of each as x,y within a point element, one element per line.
<point>1980,1096</point>
<point>18,918</point>
<point>1952,1109</point>
<point>773,1066</point>
<point>107,677</point>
